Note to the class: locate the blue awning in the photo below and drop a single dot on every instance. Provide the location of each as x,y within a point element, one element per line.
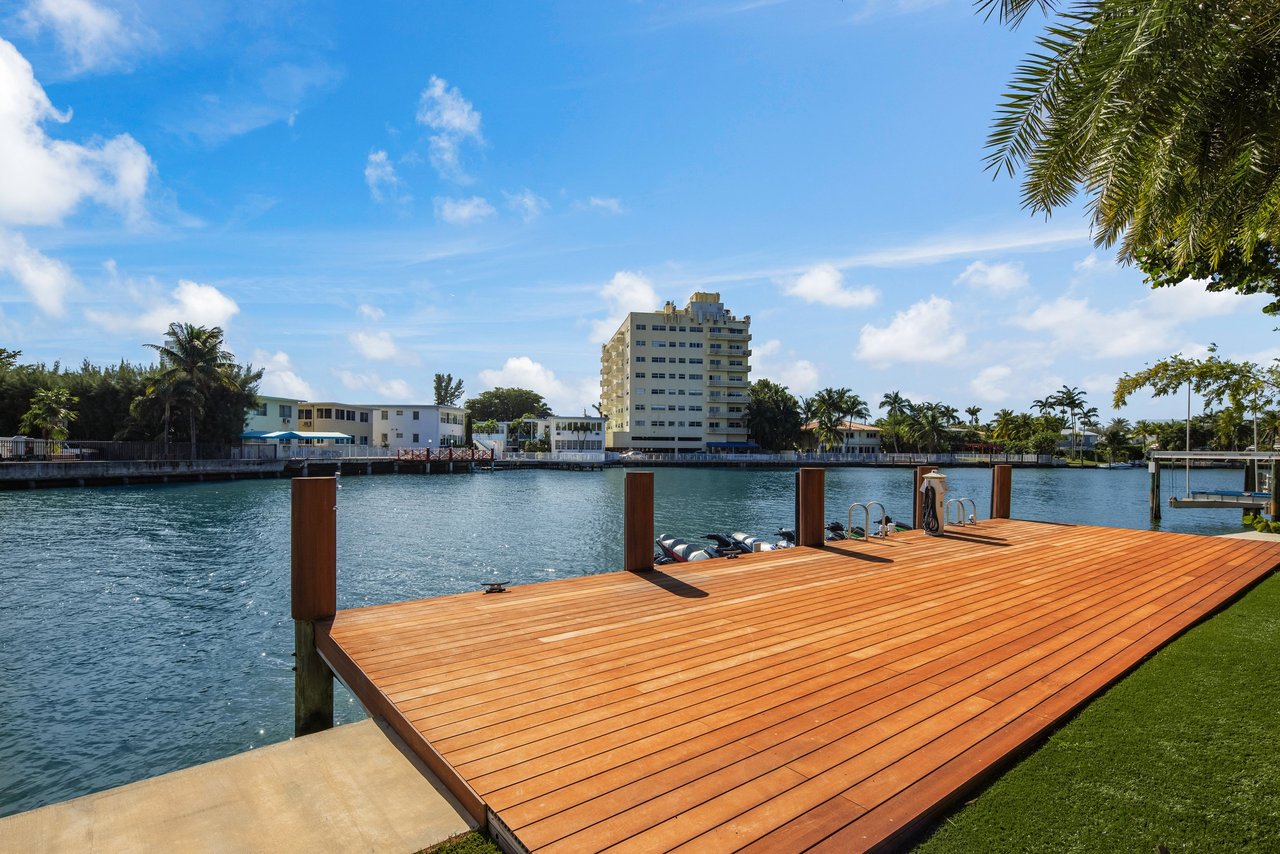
<point>292,434</point>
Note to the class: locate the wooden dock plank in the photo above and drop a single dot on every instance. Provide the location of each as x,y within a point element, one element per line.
<point>833,697</point>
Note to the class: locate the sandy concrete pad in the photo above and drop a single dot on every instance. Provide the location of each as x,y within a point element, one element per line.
<point>354,788</point>
<point>1253,535</point>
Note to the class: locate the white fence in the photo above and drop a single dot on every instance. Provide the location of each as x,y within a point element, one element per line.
<point>584,457</point>
<point>801,458</point>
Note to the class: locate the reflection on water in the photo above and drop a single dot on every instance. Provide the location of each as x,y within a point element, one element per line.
<point>147,629</point>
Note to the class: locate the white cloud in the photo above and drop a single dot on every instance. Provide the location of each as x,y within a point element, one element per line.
<point>923,333</point>
<point>46,180</point>
<point>625,292</point>
<point>375,345</point>
<point>527,204</point>
<point>384,184</point>
<point>800,376</point>
<point>1087,264</point>
<point>391,389</point>
<point>189,302</point>
<point>92,36</point>
<point>989,384</point>
<point>1147,325</point>
<point>601,204</point>
<point>564,398</point>
<point>463,211</point>
<point>998,279</point>
<point>371,311</point>
<point>279,379</point>
<point>46,280</point>
<point>443,109</point>
<point>824,284</point>
<point>257,99</point>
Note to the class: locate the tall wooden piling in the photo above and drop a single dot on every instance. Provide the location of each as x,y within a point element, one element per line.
<point>1001,491</point>
<point>917,509</point>
<point>810,506</point>
<point>1154,468</point>
<point>314,574</point>
<point>637,521</point>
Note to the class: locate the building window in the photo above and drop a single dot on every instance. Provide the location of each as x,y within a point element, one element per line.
<point>261,410</point>
<point>660,359</point>
<point>639,358</point>
<point>415,438</point>
<point>399,435</point>
<point>304,414</point>
<point>364,418</point>
<point>286,410</point>
<point>656,391</point>
<point>399,412</point>
<point>364,440</point>
<point>639,423</point>
<point>695,423</point>
<point>384,438</point>
<point>639,375</point>
<point>658,327</point>
<point>415,418</point>
<point>659,376</point>
<point>384,418</point>
<point>640,326</point>
<point>695,361</point>
<point>639,343</point>
<point>351,415</point>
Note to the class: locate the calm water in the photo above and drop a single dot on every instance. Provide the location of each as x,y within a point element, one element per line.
<point>146,629</point>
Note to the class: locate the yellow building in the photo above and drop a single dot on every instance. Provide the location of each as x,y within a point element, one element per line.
<point>332,417</point>
<point>676,379</point>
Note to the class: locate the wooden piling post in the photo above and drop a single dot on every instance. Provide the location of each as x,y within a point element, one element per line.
<point>1154,467</point>
<point>637,521</point>
<point>810,506</point>
<point>1001,491</point>
<point>917,509</point>
<point>314,575</point>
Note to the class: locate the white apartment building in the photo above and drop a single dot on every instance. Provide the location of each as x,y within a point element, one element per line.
<point>676,379</point>
<point>564,434</point>
<point>273,415</point>
<point>418,426</point>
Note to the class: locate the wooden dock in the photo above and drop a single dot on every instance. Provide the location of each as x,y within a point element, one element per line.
<point>826,699</point>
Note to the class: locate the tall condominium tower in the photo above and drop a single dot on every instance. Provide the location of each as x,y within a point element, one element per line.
<point>676,379</point>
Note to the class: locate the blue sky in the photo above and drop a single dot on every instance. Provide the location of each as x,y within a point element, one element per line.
<point>365,194</point>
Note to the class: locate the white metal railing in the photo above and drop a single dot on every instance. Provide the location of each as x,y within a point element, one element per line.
<point>801,457</point>
<point>596,457</point>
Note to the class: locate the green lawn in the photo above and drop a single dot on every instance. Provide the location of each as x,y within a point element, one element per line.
<point>468,843</point>
<point>1184,753</point>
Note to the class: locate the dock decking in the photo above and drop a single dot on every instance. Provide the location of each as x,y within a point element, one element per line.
<point>829,699</point>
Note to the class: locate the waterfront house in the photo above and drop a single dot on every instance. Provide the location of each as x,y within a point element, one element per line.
<point>857,438</point>
<point>418,426</point>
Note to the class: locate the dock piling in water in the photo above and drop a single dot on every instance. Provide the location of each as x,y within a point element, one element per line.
<point>1001,490</point>
<point>810,506</point>
<point>637,521</point>
<point>314,576</point>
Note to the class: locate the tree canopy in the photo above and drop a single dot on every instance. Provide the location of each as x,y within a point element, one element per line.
<point>773,416</point>
<point>507,404</point>
<point>448,390</point>
<point>1166,114</point>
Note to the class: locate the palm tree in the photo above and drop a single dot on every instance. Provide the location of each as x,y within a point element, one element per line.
<point>895,403</point>
<point>1045,404</point>
<point>928,427</point>
<point>192,359</point>
<point>897,407</point>
<point>1163,111</point>
<point>973,412</point>
<point>1002,426</point>
<point>50,414</point>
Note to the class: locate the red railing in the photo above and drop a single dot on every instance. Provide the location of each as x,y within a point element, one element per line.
<point>438,455</point>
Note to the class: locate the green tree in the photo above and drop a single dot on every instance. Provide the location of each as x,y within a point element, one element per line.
<point>448,390</point>
<point>9,359</point>
<point>894,425</point>
<point>1167,114</point>
<point>773,416</point>
<point>973,412</point>
<point>928,426</point>
<point>507,404</point>
<point>192,360</point>
<point>50,414</point>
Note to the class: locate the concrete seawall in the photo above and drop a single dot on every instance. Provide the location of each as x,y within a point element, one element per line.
<point>32,475</point>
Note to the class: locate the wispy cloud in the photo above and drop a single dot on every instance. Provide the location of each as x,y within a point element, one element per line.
<point>601,204</point>
<point>1000,279</point>
<point>527,204</point>
<point>274,94</point>
<point>92,36</point>
<point>381,178</point>
<point>463,211</point>
<point>442,108</point>
<point>391,389</point>
<point>46,280</point>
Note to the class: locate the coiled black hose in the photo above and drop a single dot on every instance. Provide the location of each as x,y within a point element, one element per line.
<point>929,513</point>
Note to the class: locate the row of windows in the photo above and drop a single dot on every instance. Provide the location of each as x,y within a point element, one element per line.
<point>693,392</point>
<point>675,361</point>
<point>669,424</point>
<point>662,327</point>
<point>695,345</point>
<point>658,407</point>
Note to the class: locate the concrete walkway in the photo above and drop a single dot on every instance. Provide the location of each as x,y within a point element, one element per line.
<point>354,788</point>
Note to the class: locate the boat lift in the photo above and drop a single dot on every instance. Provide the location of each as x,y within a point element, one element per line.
<point>1261,480</point>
